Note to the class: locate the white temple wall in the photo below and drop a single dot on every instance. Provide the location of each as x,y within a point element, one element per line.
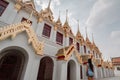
<point>24,14</point>
<point>61,70</point>
<point>84,72</point>
<point>117,72</point>
<point>33,60</point>
<point>95,72</point>
<point>8,15</point>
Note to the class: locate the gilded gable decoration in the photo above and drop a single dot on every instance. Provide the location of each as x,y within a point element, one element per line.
<point>14,29</point>
<point>46,14</point>
<point>85,58</point>
<point>65,53</point>
<point>18,6</point>
<point>28,5</point>
<point>98,62</point>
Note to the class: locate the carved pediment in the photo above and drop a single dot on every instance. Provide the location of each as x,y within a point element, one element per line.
<point>14,29</point>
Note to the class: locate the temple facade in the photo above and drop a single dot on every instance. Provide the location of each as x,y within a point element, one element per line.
<point>33,46</point>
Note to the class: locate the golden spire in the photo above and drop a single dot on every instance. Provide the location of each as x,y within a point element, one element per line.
<point>59,21</point>
<point>66,26</point>
<point>49,4</point>
<point>93,39</point>
<point>87,39</point>
<point>78,32</point>
<point>86,32</point>
<point>66,22</point>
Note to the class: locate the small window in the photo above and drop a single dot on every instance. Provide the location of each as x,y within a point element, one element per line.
<point>70,41</point>
<point>118,68</point>
<point>89,52</point>
<point>24,19</point>
<point>78,47</point>
<point>59,38</point>
<point>46,31</point>
<point>3,6</point>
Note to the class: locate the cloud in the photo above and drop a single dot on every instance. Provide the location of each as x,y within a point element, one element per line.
<point>43,4</point>
<point>115,37</point>
<point>38,2</point>
<point>104,13</point>
<point>104,22</point>
<point>57,2</point>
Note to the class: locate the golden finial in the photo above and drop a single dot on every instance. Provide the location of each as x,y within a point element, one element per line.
<point>49,4</point>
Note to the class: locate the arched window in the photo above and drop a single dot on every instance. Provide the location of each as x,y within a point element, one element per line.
<point>45,69</point>
<point>84,49</point>
<point>78,46</point>
<point>70,40</point>
<point>11,64</point>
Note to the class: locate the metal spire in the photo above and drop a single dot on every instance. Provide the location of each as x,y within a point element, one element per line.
<point>93,39</point>
<point>78,25</point>
<point>66,15</point>
<point>59,13</point>
<point>86,32</point>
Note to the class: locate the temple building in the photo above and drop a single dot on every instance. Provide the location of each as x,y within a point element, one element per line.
<point>33,46</point>
<point>116,63</point>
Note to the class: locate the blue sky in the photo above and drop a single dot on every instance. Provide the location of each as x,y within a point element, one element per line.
<point>101,17</point>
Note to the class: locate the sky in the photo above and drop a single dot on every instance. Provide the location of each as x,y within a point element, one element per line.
<point>101,17</point>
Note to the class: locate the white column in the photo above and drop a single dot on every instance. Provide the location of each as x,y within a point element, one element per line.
<point>95,72</point>
<point>61,70</point>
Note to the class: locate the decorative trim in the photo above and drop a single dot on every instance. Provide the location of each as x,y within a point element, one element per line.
<point>14,29</point>
<point>18,6</point>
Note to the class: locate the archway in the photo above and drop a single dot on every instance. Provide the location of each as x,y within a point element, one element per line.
<point>45,69</point>
<point>12,63</point>
<point>71,70</point>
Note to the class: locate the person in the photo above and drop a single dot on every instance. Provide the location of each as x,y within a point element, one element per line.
<point>90,70</point>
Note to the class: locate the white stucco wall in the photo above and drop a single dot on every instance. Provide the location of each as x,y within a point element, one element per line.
<point>117,72</point>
